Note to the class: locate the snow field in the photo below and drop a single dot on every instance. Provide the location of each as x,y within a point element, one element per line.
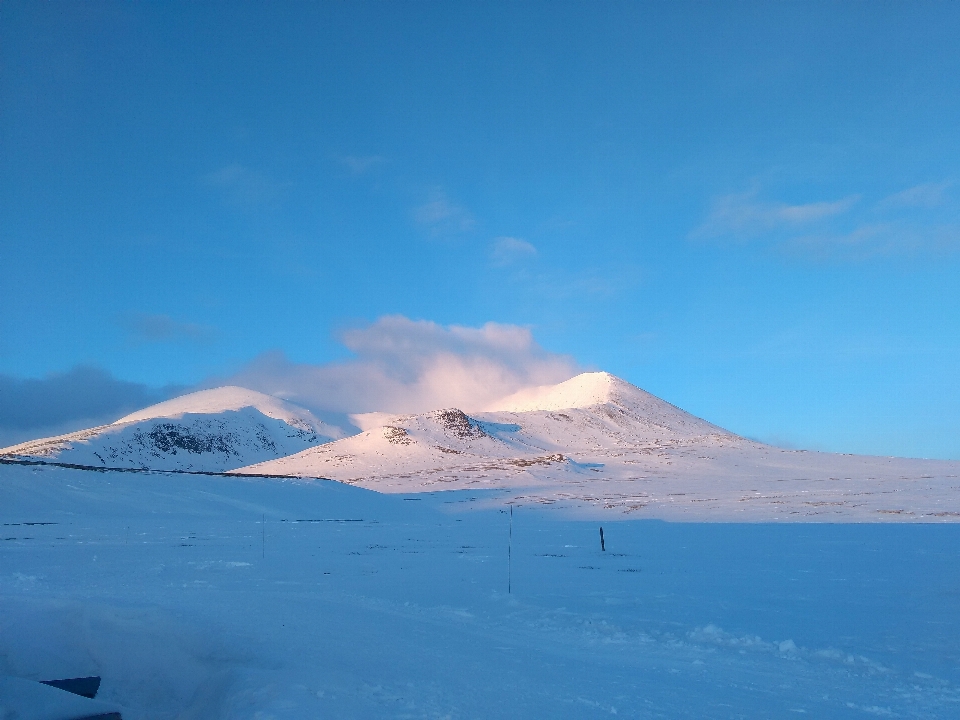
<point>349,603</point>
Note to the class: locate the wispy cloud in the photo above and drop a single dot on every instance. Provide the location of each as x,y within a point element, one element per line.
<point>916,221</point>
<point>876,240</point>
<point>744,215</point>
<point>508,250</point>
<point>925,195</point>
<point>244,186</point>
<point>141,327</point>
<point>360,164</point>
<point>404,365</point>
<point>441,216</point>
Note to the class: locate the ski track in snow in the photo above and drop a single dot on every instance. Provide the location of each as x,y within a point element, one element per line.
<point>349,603</point>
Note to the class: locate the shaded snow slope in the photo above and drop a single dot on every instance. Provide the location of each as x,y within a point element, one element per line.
<point>211,430</point>
<point>604,445</point>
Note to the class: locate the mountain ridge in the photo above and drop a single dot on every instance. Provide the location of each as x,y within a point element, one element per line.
<point>216,430</point>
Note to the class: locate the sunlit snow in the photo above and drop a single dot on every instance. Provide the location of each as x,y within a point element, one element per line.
<point>270,593</point>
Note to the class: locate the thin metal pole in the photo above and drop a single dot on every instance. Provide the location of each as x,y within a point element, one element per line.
<point>263,535</point>
<point>510,555</point>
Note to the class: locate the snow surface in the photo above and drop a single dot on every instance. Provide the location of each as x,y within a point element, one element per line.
<point>347,603</point>
<point>211,430</point>
<point>600,446</point>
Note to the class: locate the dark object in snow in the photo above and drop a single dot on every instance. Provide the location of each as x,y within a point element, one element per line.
<point>68,699</point>
<point>85,686</point>
<point>603,547</point>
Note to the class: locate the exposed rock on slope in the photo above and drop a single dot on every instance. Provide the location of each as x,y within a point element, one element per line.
<point>212,430</point>
<point>594,441</point>
<point>539,428</point>
<point>600,443</point>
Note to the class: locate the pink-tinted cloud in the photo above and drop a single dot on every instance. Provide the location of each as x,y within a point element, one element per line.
<point>402,365</point>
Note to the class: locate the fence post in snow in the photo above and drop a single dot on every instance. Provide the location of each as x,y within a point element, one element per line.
<point>510,554</point>
<point>603,547</point>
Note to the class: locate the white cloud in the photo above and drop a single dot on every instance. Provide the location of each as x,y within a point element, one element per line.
<point>925,195</point>
<point>244,186</point>
<point>402,365</point>
<point>441,216</point>
<point>359,164</point>
<point>875,240</point>
<point>507,250</point>
<point>918,221</point>
<point>741,214</point>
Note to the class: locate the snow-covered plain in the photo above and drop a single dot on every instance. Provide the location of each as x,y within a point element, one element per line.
<point>351,603</point>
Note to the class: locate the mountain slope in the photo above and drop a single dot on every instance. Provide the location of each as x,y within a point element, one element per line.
<point>601,444</point>
<point>211,430</point>
<point>548,431</point>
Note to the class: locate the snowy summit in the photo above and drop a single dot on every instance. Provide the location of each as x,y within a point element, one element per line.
<point>604,445</point>
<point>594,442</point>
<point>211,430</point>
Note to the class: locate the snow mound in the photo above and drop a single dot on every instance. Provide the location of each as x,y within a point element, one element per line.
<point>208,431</point>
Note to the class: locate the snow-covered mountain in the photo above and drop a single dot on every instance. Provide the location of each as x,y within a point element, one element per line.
<point>211,430</point>
<point>594,441</point>
<point>544,427</point>
<point>598,441</point>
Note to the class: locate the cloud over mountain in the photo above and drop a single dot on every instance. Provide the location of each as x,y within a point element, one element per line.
<point>404,365</point>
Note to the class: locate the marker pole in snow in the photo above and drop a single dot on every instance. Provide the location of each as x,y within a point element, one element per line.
<point>510,554</point>
<point>263,535</point>
<point>603,547</point>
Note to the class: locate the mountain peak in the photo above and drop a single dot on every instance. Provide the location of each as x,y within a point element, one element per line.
<point>211,430</point>
<point>224,399</point>
<point>584,390</point>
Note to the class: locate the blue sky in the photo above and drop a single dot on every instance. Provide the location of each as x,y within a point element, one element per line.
<point>748,209</point>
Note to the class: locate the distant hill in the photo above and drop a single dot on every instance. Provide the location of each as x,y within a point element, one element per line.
<point>211,430</point>
<point>544,427</point>
<point>598,443</point>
